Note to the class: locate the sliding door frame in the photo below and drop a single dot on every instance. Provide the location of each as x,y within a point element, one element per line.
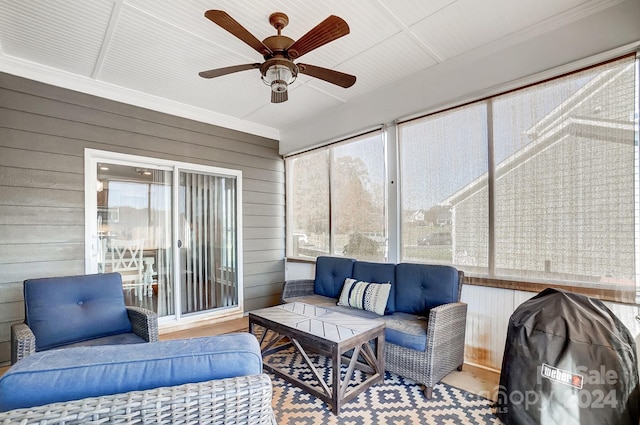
<point>91,159</point>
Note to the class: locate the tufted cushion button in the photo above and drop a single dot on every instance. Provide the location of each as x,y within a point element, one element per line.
<point>80,302</point>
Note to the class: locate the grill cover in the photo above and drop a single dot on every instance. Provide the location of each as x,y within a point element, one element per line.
<point>568,360</point>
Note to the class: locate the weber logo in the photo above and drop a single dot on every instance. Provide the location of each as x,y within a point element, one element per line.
<point>562,376</point>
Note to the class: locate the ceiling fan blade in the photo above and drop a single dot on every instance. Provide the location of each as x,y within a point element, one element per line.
<point>329,75</point>
<point>328,30</point>
<point>212,73</point>
<point>225,21</point>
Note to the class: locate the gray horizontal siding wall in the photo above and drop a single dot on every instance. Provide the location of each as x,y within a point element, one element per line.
<point>43,133</point>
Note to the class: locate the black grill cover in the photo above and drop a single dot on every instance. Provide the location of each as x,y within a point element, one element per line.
<point>568,360</point>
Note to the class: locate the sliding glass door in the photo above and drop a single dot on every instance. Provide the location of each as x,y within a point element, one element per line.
<point>172,230</point>
<point>133,221</point>
<point>207,240</point>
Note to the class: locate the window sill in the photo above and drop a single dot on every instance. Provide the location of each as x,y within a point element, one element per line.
<point>618,295</point>
<point>300,260</point>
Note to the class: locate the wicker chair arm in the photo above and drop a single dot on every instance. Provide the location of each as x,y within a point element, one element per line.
<point>242,400</point>
<point>447,323</point>
<point>144,323</point>
<point>446,332</point>
<point>297,288</point>
<point>23,342</point>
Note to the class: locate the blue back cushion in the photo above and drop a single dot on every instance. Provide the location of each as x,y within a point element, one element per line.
<point>76,373</point>
<point>63,310</point>
<point>330,275</point>
<point>377,273</point>
<point>420,287</point>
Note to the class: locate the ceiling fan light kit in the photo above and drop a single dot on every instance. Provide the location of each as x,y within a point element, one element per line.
<point>278,74</point>
<point>278,69</point>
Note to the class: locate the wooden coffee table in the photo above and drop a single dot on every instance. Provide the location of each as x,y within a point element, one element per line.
<point>315,329</point>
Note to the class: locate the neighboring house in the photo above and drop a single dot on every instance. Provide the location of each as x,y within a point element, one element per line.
<point>440,215</point>
<point>417,217</point>
<point>443,218</point>
<point>576,139</point>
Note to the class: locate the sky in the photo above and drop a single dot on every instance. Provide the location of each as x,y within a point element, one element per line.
<point>438,170</point>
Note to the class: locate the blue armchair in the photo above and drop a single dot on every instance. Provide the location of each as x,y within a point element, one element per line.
<point>76,311</point>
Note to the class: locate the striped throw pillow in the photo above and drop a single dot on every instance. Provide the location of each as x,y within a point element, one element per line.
<point>364,295</point>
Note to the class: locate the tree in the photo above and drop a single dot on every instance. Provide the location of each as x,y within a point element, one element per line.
<point>354,197</point>
<point>310,189</point>
<point>361,247</point>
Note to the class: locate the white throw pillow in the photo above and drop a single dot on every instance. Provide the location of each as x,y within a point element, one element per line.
<point>364,295</point>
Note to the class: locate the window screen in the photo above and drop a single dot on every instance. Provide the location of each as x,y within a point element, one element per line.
<point>337,202</point>
<point>538,184</point>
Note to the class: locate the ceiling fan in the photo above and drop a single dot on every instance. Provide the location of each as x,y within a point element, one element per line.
<point>279,52</point>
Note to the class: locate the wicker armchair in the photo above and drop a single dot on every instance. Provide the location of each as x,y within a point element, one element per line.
<point>446,326</point>
<point>144,323</point>
<point>81,326</point>
<point>241,400</point>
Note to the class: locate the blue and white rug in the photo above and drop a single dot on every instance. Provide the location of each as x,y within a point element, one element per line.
<point>398,401</point>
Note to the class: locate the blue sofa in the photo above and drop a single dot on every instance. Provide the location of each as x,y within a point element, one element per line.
<point>79,310</point>
<point>207,380</point>
<point>424,318</point>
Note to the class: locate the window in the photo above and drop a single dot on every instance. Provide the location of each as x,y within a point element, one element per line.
<point>440,161</point>
<point>532,188</point>
<point>308,204</point>
<point>564,183</point>
<point>535,185</point>
<point>337,201</point>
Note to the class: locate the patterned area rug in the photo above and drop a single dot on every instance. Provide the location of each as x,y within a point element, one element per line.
<point>397,401</point>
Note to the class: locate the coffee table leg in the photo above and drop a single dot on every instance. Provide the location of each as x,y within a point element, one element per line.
<point>380,350</point>
<point>309,363</point>
<point>335,379</point>
<point>251,327</point>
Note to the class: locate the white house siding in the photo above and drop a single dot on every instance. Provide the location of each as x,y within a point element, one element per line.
<point>470,232</point>
<point>551,212</point>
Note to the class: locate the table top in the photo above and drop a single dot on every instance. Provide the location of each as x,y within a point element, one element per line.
<point>317,321</point>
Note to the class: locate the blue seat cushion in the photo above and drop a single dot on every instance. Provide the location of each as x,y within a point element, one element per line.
<point>64,310</point>
<point>420,287</point>
<point>117,339</point>
<point>406,330</point>
<point>81,372</point>
<point>377,273</point>
<point>330,275</point>
<point>403,329</point>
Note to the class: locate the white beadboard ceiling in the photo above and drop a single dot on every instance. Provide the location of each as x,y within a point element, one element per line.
<point>149,52</point>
